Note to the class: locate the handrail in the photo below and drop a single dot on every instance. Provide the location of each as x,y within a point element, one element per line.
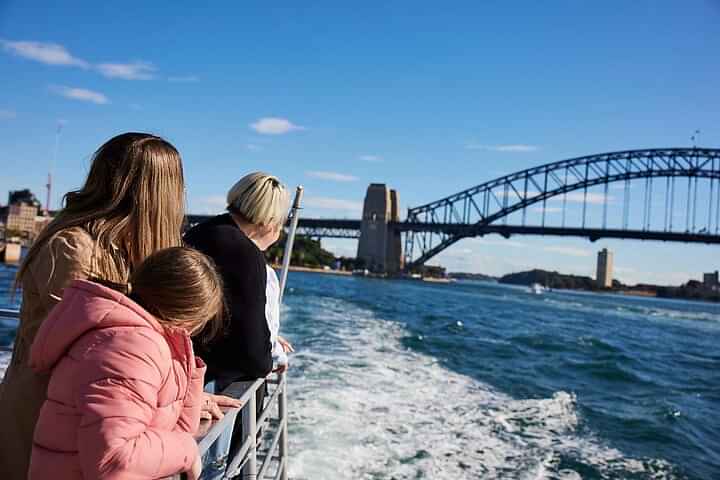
<point>244,460</point>
<point>9,313</point>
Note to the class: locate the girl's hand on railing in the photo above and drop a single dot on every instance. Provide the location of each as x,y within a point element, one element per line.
<point>211,407</point>
<point>195,470</point>
<point>287,346</point>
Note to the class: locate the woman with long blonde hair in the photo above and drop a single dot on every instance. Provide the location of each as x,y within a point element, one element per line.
<point>132,204</point>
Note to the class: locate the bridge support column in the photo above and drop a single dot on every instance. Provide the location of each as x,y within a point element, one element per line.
<point>380,245</point>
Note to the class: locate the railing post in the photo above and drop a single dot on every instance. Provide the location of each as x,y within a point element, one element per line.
<point>249,427</point>
<point>282,411</point>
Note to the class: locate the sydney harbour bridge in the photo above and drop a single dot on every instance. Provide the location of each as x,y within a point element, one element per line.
<point>665,194</point>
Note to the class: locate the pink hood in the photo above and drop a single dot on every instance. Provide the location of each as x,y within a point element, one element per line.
<point>125,392</point>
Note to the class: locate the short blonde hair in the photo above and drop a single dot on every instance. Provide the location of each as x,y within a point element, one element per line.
<point>260,198</point>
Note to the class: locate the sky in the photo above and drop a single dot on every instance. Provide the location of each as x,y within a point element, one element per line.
<point>430,98</point>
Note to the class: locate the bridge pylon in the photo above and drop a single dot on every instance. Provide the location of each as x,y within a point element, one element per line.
<point>380,245</point>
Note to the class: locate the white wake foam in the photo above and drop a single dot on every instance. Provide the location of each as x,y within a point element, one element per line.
<point>363,406</point>
<point>4,362</point>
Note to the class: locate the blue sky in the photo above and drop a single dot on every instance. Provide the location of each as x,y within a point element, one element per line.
<point>335,97</point>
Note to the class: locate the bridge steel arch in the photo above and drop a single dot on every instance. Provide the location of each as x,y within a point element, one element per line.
<point>472,211</point>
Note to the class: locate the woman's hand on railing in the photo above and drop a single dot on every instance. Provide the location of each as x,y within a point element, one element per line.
<point>212,404</point>
<point>286,346</point>
<point>281,368</point>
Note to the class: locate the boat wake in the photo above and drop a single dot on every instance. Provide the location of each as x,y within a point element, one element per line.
<point>5,356</point>
<point>364,406</point>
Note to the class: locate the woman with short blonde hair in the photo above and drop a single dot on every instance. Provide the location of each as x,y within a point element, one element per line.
<point>257,210</point>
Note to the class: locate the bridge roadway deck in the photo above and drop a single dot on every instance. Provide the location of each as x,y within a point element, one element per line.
<point>346,228</point>
<point>318,226</point>
<point>590,233</point>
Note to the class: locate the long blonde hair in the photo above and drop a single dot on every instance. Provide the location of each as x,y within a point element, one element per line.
<point>132,204</point>
<point>181,288</point>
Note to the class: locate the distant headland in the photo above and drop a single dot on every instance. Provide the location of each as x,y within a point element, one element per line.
<point>692,290</point>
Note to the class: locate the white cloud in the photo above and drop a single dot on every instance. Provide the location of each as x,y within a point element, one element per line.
<point>47,53</point>
<point>332,204</point>
<point>55,54</point>
<point>579,197</point>
<point>332,176</point>
<point>513,148</point>
<point>630,276</point>
<point>7,114</point>
<point>547,209</point>
<point>491,255</point>
<point>512,195</point>
<point>128,71</point>
<point>184,79</point>
<point>570,251</point>
<point>470,260</point>
<point>625,269</point>
<point>572,197</point>
<point>274,126</point>
<point>672,278</point>
<point>210,205</point>
<point>80,94</point>
<point>341,247</point>
<point>370,158</point>
<point>498,242</point>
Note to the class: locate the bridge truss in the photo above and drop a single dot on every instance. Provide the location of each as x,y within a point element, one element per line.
<point>328,228</point>
<point>485,208</point>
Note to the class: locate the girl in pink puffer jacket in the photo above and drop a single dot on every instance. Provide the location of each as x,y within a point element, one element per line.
<point>125,392</point>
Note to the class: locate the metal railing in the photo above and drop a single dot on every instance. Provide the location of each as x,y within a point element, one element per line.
<point>248,461</point>
<point>9,313</point>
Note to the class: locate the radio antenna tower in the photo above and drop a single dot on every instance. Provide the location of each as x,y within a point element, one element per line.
<point>52,166</point>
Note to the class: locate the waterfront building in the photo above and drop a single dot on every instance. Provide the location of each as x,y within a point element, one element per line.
<point>41,221</point>
<point>604,268</point>
<point>434,271</point>
<point>23,196</point>
<point>21,218</point>
<point>711,279</point>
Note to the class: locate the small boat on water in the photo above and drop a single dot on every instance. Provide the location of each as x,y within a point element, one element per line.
<point>537,289</point>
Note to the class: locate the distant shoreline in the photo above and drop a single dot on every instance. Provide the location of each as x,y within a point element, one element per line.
<point>295,268</point>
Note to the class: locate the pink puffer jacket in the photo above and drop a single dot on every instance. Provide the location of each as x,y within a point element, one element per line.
<point>124,395</point>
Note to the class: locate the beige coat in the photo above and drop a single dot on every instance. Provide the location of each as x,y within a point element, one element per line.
<point>68,256</point>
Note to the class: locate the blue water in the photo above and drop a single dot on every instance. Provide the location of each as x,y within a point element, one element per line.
<point>401,379</point>
<point>7,300</point>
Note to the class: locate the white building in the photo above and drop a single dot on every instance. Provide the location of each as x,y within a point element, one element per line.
<point>604,268</point>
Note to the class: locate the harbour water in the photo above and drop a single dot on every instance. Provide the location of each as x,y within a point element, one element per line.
<point>402,379</point>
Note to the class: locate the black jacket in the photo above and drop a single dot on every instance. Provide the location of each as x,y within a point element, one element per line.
<point>243,351</point>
